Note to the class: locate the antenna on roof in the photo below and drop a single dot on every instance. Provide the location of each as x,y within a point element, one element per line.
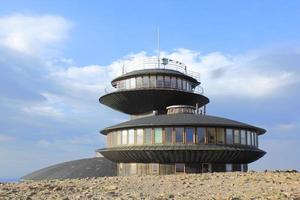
<point>158,48</point>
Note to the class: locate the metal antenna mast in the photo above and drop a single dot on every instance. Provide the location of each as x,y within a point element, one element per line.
<point>158,48</point>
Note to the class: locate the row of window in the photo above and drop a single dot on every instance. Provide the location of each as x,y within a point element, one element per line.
<point>182,135</point>
<point>155,81</point>
<point>125,169</point>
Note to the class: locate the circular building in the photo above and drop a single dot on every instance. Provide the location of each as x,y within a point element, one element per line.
<point>169,131</point>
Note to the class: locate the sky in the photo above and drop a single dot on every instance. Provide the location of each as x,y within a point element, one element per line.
<point>56,58</point>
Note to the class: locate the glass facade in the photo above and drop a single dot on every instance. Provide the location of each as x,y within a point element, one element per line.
<point>237,139</point>
<point>148,138</point>
<point>243,137</point>
<point>181,135</point>
<point>168,135</point>
<point>155,81</point>
<point>189,135</point>
<point>158,135</point>
<point>200,135</point>
<point>211,135</point>
<point>124,137</point>
<point>229,136</point>
<point>220,135</point>
<point>131,136</point>
<point>139,136</point>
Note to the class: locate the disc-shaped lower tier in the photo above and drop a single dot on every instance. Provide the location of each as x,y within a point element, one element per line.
<point>139,101</point>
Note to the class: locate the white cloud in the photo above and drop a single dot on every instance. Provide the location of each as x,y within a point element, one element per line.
<point>5,138</point>
<point>31,34</point>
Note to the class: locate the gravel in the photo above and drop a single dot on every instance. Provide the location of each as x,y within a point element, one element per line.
<point>235,185</point>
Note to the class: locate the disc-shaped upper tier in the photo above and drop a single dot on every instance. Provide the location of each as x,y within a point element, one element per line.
<point>143,91</point>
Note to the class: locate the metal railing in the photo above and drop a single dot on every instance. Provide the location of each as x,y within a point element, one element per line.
<point>110,89</point>
<point>160,63</point>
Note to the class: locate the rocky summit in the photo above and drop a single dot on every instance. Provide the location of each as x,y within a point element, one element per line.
<point>234,185</point>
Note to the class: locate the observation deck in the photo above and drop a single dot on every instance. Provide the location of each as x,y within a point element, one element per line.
<point>153,84</point>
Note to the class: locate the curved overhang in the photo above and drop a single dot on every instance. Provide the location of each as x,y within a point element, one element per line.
<point>183,154</point>
<point>139,101</point>
<point>156,71</point>
<point>174,120</point>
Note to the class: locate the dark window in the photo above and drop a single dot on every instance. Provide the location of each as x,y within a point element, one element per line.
<point>189,135</point>
<point>173,82</point>
<point>211,135</point>
<point>193,168</point>
<point>179,168</point>
<point>200,135</point>
<point>179,135</point>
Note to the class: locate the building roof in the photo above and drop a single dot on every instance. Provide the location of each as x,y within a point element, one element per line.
<point>182,120</point>
<point>83,168</point>
<point>156,71</point>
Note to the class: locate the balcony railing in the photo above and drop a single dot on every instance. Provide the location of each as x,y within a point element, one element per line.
<point>160,63</point>
<point>110,89</point>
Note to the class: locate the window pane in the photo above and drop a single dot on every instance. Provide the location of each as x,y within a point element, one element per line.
<point>237,136</point>
<point>158,135</point>
<point>248,138</point>
<point>243,137</point>
<point>131,136</point>
<point>119,137</point>
<point>211,135</point>
<point>253,140</point>
<point>124,137</point>
<point>145,81</point>
<point>132,168</point>
<point>201,135</point>
<point>152,81</point>
<point>189,135</point>
<point>139,136</point>
<point>256,139</point>
<point>220,135</point>
<point>188,86</point>
<point>228,167</point>
<point>132,83</point>
<point>184,84</point>
<point>160,82</point>
<point>168,134</point>
<point>179,168</point>
<point>154,168</point>
<point>229,136</point>
<point>127,83</point>
<point>148,136</point>
<point>179,83</point>
<point>173,82</point>
<point>167,82</point>
<point>121,85</point>
<point>139,82</point>
<point>179,135</point>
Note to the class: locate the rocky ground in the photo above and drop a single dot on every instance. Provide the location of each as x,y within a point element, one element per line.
<point>251,185</point>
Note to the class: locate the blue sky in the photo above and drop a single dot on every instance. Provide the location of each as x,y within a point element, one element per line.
<point>56,57</point>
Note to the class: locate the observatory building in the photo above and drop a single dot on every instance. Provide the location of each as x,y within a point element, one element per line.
<point>169,131</point>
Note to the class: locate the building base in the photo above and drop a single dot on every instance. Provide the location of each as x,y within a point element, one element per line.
<point>126,169</point>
